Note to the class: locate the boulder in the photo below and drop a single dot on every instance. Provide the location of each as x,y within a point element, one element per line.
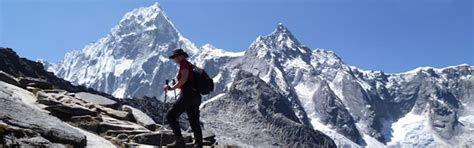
<point>65,111</point>
<point>96,99</point>
<point>140,117</point>
<point>18,114</point>
<point>154,138</point>
<point>122,115</point>
<point>110,123</point>
<point>45,99</point>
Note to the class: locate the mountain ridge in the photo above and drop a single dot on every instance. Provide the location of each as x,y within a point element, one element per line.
<point>361,105</point>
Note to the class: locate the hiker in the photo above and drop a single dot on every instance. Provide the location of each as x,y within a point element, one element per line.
<point>188,100</point>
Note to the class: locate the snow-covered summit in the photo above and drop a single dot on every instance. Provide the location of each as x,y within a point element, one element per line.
<point>282,34</point>
<point>135,49</point>
<point>280,40</point>
<point>325,93</point>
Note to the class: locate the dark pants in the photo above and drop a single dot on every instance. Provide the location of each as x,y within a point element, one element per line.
<point>188,101</point>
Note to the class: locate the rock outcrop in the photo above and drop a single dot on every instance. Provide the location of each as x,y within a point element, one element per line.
<point>333,112</point>
<point>140,117</point>
<point>18,116</point>
<point>253,113</point>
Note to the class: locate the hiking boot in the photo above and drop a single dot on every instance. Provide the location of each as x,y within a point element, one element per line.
<point>179,143</point>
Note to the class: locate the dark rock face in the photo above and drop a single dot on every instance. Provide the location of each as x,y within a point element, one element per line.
<point>5,77</point>
<point>19,115</point>
<point>253,113</point>
<point>362,106</point>
<point>34,82</point>
<point>332,111</point>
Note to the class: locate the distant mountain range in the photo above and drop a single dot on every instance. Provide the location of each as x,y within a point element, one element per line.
<point>313,87</point>
<point>38,109</point>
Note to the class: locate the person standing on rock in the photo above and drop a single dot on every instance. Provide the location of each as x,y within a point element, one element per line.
<point>188,100</point>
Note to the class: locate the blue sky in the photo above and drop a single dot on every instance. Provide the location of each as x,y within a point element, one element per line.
<point>388,35</point>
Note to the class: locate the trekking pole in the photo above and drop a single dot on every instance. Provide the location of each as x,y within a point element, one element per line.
<point>174,82</point>
<point>163,116</point>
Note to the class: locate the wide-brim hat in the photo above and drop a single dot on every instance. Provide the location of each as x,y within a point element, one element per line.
<point>178,52</point>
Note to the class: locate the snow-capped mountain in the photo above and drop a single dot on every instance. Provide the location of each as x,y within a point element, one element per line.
<point>423,107</point>
<point>131,60</point>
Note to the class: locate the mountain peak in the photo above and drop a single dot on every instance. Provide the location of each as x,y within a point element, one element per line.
<point>156,5</point>
<point>281,29</point>
<point>282,36</point>
<point>151,18</point>
<point>281,39</point>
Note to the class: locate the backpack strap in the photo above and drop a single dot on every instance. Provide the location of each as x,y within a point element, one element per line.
<point>191,69</point>
<point>191,66</point>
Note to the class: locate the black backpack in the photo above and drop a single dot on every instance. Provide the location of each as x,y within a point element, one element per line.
<point>202,82</point>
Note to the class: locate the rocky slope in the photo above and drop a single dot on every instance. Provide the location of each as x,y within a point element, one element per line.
<point>258,115</point>
<point>353,106</point>
<point>41,110</point>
